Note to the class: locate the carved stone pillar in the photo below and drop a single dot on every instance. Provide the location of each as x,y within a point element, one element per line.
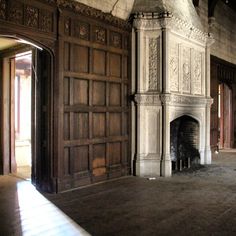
<point>166,166</point>
<point>207,155</point>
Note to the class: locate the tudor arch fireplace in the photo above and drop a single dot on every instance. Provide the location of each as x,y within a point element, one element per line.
<point>184,142</point>
<point>172,70</point>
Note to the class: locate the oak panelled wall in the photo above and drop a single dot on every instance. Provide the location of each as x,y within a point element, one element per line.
<point>89,112</point>
<point>96,111</point>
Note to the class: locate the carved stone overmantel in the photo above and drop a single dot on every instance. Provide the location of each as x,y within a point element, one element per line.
<point>172,81</point>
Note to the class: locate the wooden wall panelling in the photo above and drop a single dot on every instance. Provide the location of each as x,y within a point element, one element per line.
<point>96,107</point>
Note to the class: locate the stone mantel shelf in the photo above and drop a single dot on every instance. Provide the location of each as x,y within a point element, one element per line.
<point>150,99</point>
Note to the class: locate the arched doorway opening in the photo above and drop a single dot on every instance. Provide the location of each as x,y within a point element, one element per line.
<point>184,140</point>
<point>26,72</point>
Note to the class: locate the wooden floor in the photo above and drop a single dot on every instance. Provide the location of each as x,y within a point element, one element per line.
<point>24,211</point>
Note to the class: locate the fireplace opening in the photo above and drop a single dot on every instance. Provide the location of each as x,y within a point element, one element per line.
<point>184,143</point>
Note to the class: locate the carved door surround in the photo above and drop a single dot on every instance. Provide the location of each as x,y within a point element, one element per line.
<point>172,81</point>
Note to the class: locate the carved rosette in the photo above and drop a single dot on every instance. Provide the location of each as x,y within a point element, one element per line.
<point>99,35</point>
<point>81,30</point>
<point>2,9</point>
<point>197,72</point>
<point>154,60</point>
<point>174,67</point>
<point>115,39</point>
<point>186,69</point>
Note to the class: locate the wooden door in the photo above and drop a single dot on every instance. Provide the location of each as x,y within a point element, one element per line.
<point>13,167</point>
<point>41,141</point>
<point>96,109</point>
<point>227,114</point>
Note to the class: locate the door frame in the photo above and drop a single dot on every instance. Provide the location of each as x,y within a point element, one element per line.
<point>43,180</point>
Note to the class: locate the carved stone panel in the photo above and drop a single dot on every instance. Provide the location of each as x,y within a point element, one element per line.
<point>154,61</point>
<point>186,70</point>
<point>174,67</point>
<point>197,72</point>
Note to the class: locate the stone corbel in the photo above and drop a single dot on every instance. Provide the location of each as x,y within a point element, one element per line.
<point>209,102</point>
<point>211,26</point>
<point>165,99</point>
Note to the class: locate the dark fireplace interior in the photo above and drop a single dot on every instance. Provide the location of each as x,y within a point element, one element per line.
<point>184,142</point>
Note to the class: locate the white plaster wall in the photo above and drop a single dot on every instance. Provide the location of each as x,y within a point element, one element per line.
<point>118,8</point>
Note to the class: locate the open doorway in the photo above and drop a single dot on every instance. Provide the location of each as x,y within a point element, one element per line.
<point>25,117</point>
<point>22,64</point>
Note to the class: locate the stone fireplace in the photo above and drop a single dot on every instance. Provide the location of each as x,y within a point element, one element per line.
<point>172,89</point>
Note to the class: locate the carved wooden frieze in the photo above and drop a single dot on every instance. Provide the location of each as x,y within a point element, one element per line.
<point>197,72</point>
<point>174,67</point>
<point>81,30</point>
<point>32,16</point>
<point>99,35</point>
<point>46,23</point>
<point>115,39</point>
<point>67,26</point>
<point>186,70</point>
<point>16,12</point>
<point>2,9</point>
<point>85,10</point>
<point>154,60</point>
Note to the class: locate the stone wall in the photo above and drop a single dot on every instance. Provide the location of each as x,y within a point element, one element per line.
<point>224,30</point>
<point>224,33</point>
